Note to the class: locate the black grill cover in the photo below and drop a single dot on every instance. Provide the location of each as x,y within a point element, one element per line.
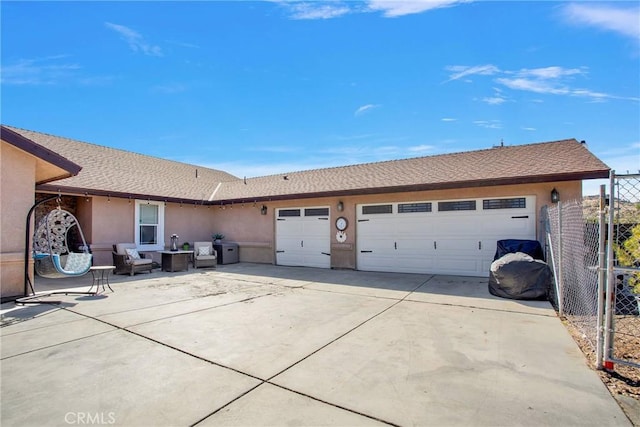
<point>529,247</point>
<point>519,276</point>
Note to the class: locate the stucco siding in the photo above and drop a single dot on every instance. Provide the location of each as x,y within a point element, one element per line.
<point>255,233</point>
<point>18,171</point>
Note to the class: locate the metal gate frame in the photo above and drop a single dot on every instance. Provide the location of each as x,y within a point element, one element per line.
<point>623,188</point>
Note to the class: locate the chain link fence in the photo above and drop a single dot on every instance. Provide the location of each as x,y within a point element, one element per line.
<point>572,247</point>
<point>594,250</point>
<point>623,300</point>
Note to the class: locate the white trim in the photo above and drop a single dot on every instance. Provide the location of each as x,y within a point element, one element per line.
<point>136,229</point>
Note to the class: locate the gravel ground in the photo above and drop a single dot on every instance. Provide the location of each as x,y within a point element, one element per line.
<point>623,381</point>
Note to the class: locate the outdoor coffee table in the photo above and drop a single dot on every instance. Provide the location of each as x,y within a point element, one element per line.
<point>175,260</point>
<point>100,274</point>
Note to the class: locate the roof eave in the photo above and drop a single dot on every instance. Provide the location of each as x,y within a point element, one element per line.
<point>37,150</point>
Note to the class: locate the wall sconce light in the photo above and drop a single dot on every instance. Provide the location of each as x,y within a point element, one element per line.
<point>340,206</point>
<point>263,210</point>
<point>555,196</point>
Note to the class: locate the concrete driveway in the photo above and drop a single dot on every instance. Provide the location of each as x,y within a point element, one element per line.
<point>250,344</point>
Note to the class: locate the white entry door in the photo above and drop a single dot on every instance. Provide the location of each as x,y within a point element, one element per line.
<point>442,237</point>
<point>303,237</point>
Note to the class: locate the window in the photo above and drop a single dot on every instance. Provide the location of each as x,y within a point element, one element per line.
<point>414,207</point>
<point>149,225</point>
<point>461,205</point>
<point>519,202</point>
<point>288,212</point>
<point>316,212</point>
<point>377,209</point>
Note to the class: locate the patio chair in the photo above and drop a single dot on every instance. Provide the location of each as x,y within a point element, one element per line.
<point>204,255</point>
<point>128,261</point>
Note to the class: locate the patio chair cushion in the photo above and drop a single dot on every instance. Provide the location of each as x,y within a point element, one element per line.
<point>121,248</point>
<point>204,251</point>
<point>133,254</point>
<point>141,261</point>
<point>77,261</point>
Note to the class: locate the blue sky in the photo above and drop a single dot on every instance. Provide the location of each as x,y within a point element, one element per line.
<point>258,88</point>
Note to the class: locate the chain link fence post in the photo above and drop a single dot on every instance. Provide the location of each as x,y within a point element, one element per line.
<point>602,275</point>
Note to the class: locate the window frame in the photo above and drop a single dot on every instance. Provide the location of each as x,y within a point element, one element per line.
<point>160,231</point>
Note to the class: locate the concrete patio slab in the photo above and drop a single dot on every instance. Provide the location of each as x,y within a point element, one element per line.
<point>473,292</point>
<point>263,407</point>
<point>425,364</point>
<point>23,339</point>
<point>265,335</point>
<point>116,378</point>
<point>132,317</point>
<point>395,286</point>
<point>251,344</point>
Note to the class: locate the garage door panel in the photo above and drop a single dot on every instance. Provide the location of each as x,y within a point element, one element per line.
<point>447,241</point>
<point>460,226</point>
<point>419,245</point>
<point>303,240</point>
<point>292,228</point>
<point>413,227</point>
<point>452,245</point>
<point>506,225</point>
<point>376,262</point>
<point>459,266</point>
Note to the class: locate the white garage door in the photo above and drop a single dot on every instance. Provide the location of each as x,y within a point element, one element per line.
<point>303,237</point>
<point>443,237</point>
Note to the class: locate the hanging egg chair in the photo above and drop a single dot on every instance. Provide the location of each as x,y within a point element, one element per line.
<point>51,253</point>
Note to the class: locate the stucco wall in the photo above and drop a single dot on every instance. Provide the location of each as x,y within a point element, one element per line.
<point>255,233</point>
<point>17,181</point>
<point>111,220</point>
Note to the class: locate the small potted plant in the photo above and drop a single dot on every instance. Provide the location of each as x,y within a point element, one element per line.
<point>217,238</point>
<point>185,246</point>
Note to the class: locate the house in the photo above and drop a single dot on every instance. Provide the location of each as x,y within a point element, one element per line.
<point>435,214</point>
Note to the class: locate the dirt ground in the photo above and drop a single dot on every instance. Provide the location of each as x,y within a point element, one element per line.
<point>623,381</point>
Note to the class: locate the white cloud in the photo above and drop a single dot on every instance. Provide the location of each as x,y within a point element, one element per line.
<point>395,8</point>
<point>622,20</point>
<point>335,9</point>
<point>448,119</point>
<point>460,71</point>
<point>421,148</point>
<point>135,40</point>
<point>364,109</point>
<point>529,129</point>
<point>316,10</point>
<point>552,80</point>
<point>488,124</point>
<point>494,100</point>
<point>39,71</point>
<point>533,85</point>
<point>554,72</point>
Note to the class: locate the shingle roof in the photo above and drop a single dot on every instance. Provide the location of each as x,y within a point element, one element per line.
<point>111,171</point>
<point>541,162</point>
